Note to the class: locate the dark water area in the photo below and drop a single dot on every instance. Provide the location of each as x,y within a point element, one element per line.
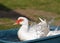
<point>10,36</point>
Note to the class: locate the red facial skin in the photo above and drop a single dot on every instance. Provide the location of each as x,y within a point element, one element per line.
<point>18,21</point>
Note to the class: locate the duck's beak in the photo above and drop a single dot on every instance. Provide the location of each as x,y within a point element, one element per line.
<point>17,22</point>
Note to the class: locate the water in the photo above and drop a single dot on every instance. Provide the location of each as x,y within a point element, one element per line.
<point>10,36</point>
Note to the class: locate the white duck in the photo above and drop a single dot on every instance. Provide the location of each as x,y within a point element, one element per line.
<point>37,31</point>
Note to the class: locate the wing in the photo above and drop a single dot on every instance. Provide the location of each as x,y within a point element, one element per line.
<point>33,27</point>
<point>44,26</point>
<point>40,27</point>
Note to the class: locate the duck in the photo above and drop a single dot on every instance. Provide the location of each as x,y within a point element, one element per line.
<point>27,32</point>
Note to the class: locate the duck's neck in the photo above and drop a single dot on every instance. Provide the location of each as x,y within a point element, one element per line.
<point>24,27</point>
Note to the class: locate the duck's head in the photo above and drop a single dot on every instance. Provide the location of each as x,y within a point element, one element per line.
<point>21,20</point>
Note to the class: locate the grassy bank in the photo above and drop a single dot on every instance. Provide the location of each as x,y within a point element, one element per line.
<point>6,23</point>
<point>40,5</point>
<point>46,5</point>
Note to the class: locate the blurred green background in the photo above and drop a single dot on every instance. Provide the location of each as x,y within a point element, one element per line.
<point>32,9</point>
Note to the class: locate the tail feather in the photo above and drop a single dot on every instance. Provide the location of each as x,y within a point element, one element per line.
<point>41,19</point>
